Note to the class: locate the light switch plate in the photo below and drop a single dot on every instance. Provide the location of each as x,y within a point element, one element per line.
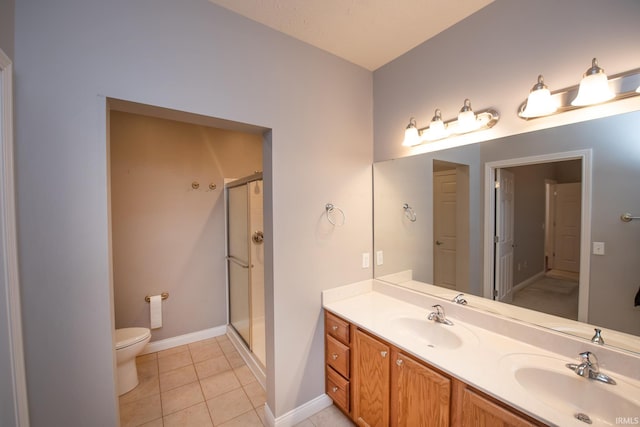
<point>379,258</point>
<point>365,260</point>
<point>598,248</point>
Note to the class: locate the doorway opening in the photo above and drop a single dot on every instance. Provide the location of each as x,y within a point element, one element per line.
<point>537,233</point>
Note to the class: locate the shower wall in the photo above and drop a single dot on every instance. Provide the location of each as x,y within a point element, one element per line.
<point>167,236</point>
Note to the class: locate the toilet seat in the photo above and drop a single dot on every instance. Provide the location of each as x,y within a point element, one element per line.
<point>126,337</point>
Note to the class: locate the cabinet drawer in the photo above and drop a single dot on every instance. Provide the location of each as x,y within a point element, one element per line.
<point>337,356</point>
<point>338,389</point>
<point>337,328</point>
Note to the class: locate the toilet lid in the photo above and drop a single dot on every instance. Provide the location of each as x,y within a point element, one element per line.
<point>129,336</point>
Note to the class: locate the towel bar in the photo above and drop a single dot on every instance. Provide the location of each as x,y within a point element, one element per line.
<point>164,296</point>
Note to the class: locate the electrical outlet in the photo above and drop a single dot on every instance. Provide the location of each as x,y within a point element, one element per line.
<point>365,260</point>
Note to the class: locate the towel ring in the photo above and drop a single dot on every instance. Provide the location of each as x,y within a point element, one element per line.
<point>330,209</point>
<point>409,212</point>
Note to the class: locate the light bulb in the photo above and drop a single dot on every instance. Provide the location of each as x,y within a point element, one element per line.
<point>539,102</point>
<point>411,134</point>
<point>466,119</point>
<point>594,87</point>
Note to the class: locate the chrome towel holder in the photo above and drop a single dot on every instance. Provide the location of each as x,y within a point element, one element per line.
<point>627,217</point>
<point>164,296</point>
<point>330,208</point>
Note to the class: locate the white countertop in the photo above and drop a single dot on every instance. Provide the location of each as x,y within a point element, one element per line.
<point>481,360</point>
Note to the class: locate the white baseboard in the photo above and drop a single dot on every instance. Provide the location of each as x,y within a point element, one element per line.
<point>298,414</point>
<point>168,343</point>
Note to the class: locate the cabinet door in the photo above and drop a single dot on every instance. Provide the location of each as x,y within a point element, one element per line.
<point>478,411</point>
<point>420,396</point>
<point>370,381</point>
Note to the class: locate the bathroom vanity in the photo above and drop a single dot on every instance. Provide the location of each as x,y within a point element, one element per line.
<point>388,364</point>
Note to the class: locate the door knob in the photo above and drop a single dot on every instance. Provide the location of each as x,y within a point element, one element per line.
<point>438,242</point>
<point>257,237</point>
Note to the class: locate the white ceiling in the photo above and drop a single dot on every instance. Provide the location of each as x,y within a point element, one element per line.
<point>369,33</point>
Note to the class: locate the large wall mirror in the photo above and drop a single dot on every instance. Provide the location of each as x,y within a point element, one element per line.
<point>527,226</point>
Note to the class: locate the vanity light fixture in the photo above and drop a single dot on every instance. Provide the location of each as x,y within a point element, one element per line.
<point>467,121</point>
<point>411,134</point>
<point>595,88</point>
<point>539,103</point>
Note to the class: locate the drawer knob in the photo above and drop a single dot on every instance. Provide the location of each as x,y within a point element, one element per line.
<point>399,362</point>
<point>383,353</point>
<point>334,327</point>
<point>334,389</point>
<point>334,356</point>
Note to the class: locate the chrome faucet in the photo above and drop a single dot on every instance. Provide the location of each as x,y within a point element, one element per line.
<point>459,299</point>
<point>597,338</point>
<point>589,368</point>
<point>439,316</point>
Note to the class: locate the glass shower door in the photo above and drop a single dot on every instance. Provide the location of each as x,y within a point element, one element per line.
<point>238,261</point>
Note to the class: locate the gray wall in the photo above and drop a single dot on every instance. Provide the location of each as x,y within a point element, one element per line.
<point>196,57</point>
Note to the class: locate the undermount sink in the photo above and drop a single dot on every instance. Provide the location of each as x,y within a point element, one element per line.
<point>430,333</point>
<point>547,379</point>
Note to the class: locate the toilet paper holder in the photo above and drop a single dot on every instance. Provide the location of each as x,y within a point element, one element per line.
<point>164,296</point>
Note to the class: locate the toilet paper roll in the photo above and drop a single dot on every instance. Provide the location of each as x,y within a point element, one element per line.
<point>155,311</point>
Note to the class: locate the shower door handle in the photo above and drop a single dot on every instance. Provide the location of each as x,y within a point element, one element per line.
<point>238,261</point>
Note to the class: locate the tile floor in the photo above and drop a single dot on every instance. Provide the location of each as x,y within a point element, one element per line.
<point>203,384</point>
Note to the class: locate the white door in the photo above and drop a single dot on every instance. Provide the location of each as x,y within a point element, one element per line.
<point>567,238</point>
<point>444,228</point>
<point>505,190</point>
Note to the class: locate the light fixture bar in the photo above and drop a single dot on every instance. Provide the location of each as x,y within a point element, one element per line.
<point>487,119</point>
<point>624,85</point>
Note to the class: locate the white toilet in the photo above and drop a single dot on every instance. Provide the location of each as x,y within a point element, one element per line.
<point>129,343</point>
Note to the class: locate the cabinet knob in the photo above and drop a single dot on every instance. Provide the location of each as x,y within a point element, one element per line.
<point>383,353</point>
<point>334,356</point>
<point>334,327</point>
<point>334,389</point>
<point>399,362</point>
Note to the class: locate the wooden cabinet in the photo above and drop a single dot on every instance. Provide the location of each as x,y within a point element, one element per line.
<point>420,396</point>
<point>338,361</point>
<point>370,381</point>
<point>475,409</point>
<point>377,384</point>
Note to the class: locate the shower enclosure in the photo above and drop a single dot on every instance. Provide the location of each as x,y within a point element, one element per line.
<point>245,262</point>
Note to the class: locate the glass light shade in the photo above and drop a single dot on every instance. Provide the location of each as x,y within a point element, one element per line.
<point>539,102</point>
<point>638,90</point>
<point>466,119</point>
<point>411,135</point>
<point>437,129</point>
<point>594,87</point>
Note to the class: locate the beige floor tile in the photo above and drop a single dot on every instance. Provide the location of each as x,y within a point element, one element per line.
<point>305,423</point>
<point>177,377</point>
<point>235,360</point>
<point>330,417</point>
<point>228,406</point>
<point>227,346</point>
<point>256,394</point>
<point>173,350</point>
<point>147,357</point>
<point>147,368</point>
<point>174,361</point>
<point>213,366</point>
<point>145,388</point>
<point>244,374</point>
<point>222,338</point>
<point>248,419</point>
<point>154,423</point>
<point>140,411</point>
<point>206,351</point>
<point>206,342</point>
<point>193,416</point>
<point>262,415</point>
<point>181,398</point>
<point>216,385</point>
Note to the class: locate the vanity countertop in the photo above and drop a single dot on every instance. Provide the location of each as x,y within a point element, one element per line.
<point>488,345</point>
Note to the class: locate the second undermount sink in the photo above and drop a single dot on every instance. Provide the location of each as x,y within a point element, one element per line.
<point>548,380</point>
<point>432,334</point>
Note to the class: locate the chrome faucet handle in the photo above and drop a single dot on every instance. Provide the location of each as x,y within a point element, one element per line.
<point>439,315</point>
<point>459,299</point>
<point>597,338</point>
<point>590,361</point>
